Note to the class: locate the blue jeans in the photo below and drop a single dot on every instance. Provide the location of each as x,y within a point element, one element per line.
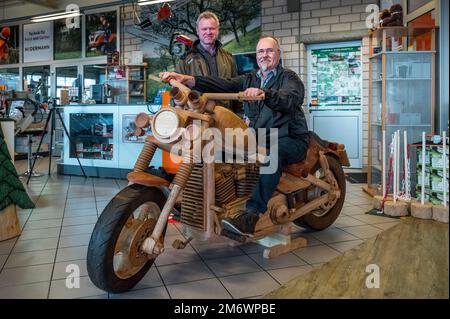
<point>290,151</point>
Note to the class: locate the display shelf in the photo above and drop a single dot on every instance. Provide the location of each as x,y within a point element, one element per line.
<point>133,77</point>
<point>401,97</point>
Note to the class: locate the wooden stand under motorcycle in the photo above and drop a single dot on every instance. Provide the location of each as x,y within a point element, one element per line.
<point>129,234</point>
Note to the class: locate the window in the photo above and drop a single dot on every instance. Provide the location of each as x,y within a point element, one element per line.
<point>9,79</point>
<point>36,79</point>
<point>94,74</point>
<point>66,77</point>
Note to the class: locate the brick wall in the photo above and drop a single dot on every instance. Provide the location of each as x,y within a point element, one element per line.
<point>130,42</point>
<point>319,21</point>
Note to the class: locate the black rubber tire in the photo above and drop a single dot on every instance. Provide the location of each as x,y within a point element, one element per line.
<point>311,221</point>
<point>106,232</point>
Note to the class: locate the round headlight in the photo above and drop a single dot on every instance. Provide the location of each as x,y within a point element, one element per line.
<point>165,124</point>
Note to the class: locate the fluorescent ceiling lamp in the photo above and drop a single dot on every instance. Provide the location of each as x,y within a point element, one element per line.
<point>56,16</point>
<point>147,2</point>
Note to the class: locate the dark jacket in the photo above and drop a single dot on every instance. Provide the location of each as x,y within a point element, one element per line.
<point>282,107</point>
<point>194,63</point>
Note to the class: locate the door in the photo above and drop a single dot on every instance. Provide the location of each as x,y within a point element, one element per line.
<point>335,95</point>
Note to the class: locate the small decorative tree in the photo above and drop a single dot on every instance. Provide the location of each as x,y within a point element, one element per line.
<point>12,193</point>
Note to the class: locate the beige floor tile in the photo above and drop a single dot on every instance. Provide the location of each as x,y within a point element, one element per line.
<point>232,265</point>
<point>282,261</point>
<point>77,230</point>
<point>284,275</point>
<point>316,254</point>
<point>80,213</point>
<point>366,207</point>
<point>310,240</point>
<point>7,245</point>
<point>251,248</point>
<point>81,205</point>
<point>25,275</point>
<point>169,239</point>
<point>151,279</point>
<point>40,233</point>
<point>37,290</point>
<point>35,244</point>
<point>101,205</point>
<point>82,220</point>
<point>373,219</point>
<point>333,235</point>
<point>346,245</point>
<point>172,230</point>
<point>40,224</point>
<point>202,289</point>
<point>3,260</point>
<point>31,258</point>
<point>74,201</point>
<point>363,232</point>
<point>59,272</point>
<point>148,293</point>
<point>50,215</point>
<point>172,256</point>
<point>249,285</point>
<point>353,210</point>
<point>359,201</point>
<point>74,241</point>
<point>217,250</point>
<point>59,290</point>
<point>347,221</point>
<point>186,272</point>
<point>71,253</point>
<point>386,226</point>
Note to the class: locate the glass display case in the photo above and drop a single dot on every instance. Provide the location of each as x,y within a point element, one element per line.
<point>103,138</point>
<point>92,136</point>
<point>401,98</point>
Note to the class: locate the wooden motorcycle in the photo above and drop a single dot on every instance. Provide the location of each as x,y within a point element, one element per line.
<point>129,234</point>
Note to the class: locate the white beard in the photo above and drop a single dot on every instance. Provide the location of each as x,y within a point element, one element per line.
<point>264,67</point>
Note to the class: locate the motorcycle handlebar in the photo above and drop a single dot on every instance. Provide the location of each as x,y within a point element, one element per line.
<point>233,96</point>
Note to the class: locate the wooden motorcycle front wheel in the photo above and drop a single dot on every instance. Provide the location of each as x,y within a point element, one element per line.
<point>118,230</point>
<point>320,222</point>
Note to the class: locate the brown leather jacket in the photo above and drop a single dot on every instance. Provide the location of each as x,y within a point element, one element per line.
<point>195,64</point>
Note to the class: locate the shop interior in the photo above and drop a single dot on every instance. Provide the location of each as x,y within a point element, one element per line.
<point>79,98</point>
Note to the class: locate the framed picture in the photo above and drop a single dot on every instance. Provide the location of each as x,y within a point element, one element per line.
<point>67,41</point>
<point>9,44</point>
<point>101,33</point>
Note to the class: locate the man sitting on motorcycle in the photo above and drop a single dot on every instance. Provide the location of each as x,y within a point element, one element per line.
<point>281,109</point>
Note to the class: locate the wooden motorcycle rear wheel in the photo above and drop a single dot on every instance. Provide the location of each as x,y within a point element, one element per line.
<point>320,222</point>
<point>118,230</point>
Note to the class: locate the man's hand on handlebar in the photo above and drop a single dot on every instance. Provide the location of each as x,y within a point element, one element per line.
<point>182,78</point>
<point>253,92</point>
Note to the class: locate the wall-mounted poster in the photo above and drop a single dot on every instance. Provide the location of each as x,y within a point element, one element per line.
<point>37,42</point>
<point>336,76</point>
<point>240,29</point>
<point>9,44</point>
<point>101,33</point>
<point>67,40</point>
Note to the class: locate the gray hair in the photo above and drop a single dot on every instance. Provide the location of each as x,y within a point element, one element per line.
<point>208,15</point>
<point>265,36</point>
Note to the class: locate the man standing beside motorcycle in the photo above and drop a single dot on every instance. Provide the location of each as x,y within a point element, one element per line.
<point>207,57</point>
<point>281,109</point>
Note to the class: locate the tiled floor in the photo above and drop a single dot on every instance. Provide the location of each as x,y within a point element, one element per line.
<point>56,234</point>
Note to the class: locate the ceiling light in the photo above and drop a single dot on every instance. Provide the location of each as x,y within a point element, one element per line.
<point>147,2</point>
<point>56,16</point>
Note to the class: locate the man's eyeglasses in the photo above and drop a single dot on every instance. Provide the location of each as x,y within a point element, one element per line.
<point>268,51</point>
